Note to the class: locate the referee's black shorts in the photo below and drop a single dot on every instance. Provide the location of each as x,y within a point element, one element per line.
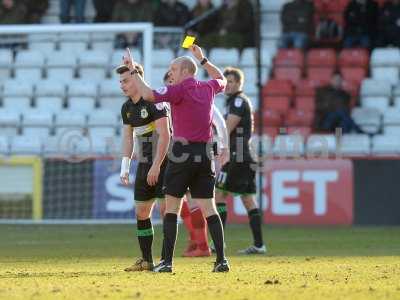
<point>143,191</point>
<point>191,167</point>
<point>237,178</point>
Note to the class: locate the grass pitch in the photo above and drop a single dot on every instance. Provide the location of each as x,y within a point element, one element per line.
<point>86,262</point>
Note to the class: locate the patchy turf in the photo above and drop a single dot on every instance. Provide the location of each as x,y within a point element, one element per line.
<point>86,262</point>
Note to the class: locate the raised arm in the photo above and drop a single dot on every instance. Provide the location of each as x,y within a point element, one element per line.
<point>142,86</point>
<point>213,71</point>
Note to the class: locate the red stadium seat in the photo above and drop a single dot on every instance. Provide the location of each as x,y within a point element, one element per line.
<point>276,87</point>
<point>271,131</point>
<point>305,103</point>
<point>277,103</point>
<point>301,130</point>
<point>354,58</point>
<point>323,74</point>
<point>293,74</point>
<point>306,87</point>
<point>321,58</point>
<point>272,118</point>
<point>356,74</point>
<point>296,117</point>
<point>289,58</point>
<point>352,88</point>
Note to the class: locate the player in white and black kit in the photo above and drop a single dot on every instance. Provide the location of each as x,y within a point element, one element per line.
<point>237,176</point>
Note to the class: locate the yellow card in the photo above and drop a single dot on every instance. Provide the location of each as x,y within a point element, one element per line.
<point>188,41</point>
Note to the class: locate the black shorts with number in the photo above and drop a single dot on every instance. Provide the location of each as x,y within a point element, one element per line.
<point>237,178</point>
<point>143,191</point>
<point>191,167</point>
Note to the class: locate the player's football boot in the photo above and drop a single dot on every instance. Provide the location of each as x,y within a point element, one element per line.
<point>253,250</point>
<point>140,265</point>
<point>198,253</point>
<point>222,266</point>
<point>163,268</point>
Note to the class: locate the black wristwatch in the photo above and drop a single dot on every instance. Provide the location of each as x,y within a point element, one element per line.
<point>204,61</point>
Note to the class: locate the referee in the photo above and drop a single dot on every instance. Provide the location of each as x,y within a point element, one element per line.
<point>191,163</point>
<point>237,176</point>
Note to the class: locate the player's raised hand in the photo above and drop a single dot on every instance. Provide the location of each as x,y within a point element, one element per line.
<point>128,60</point>
<point>197,52</point>
<point>152,176</point>
<point>125,179</point>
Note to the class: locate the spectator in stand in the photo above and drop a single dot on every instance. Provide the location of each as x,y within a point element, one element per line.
<point>131,11</point>
<point>235,28</point>
<point>79,7</point>
<point>12,12</point>
<point>35,10</point>
<point>207,25</point>
<point>104,10</point>
<point>297,19</point>
<point>389,24</point>
<point>360,18</point>
<point>333,108</point>
<point>171,13</point>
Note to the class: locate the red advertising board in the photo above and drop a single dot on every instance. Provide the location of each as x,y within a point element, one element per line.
<point>306,192</point>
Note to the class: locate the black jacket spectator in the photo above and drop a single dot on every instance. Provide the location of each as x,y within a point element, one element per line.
<point>104,10</point>
<point>12,12</point>
<point>298,16</point>
<point>389,24</point>
<point>207,25</point>
<point>361,19</point>
<point>35,10</point>
<point>171,13</point>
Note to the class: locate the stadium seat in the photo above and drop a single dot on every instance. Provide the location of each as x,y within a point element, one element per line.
<point>385,145</point>
<point>102,41</point>
<point>50,88</point>
<point>391,121</point>
<point>102,118</point>
<point>355,145</point>
<point>369,119</point>
<point>4,145</point>
<point>157,77</point>
<point>6,62</point>
<point>389,74</point>
<point>293,74</point>
<point>299,130</point>
<point>289,58</point>
<point>25,145</point>
<point>82,88</point>
<point>321,58</point>
<point>15,88</point>
<point>380,103</point>
<point>37,123</point>
<point>49,104</point>
<point>307,87</point>
<point>162,58</point>
<point>272,118</point>
<point>93,64</point>
<point>371,87</point>
<point>288,145</point>
<point>17,104</point>
<point>267,142</point>
<point>385,57</point>
<point>28,65</point>
<point>224,57</point>
<point>61,66</point>
<point>112,103</point>
<point>271,131</point>
<point>321,145</point>
<point>110,88</point>
<point>74,42</point>
<point>355,74</point>
<point>250,79</point>
<point>70,119</point>
<point>101,132</point>
<point>280,104</point>
<point>297,117</point>
<point>354,58</point>
<point>82,104</point>
<point>323,74</point>
<point>275,87</point>
<point>305,103</point>
<point>9,122</point>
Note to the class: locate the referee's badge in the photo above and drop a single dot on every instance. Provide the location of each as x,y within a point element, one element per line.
<point>238,102</point>
<point>143,113</point>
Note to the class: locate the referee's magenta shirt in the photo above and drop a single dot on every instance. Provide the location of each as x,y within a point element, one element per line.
<point>192,107</point>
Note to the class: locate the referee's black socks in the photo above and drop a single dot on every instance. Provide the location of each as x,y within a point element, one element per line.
<point>145,235</point>
<point>217,234</point>
<point>255,225</point>
<point>170,231</point>
<point>221,208</point>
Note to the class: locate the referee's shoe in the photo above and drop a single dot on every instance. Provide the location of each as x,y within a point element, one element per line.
<point>222,266</point>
